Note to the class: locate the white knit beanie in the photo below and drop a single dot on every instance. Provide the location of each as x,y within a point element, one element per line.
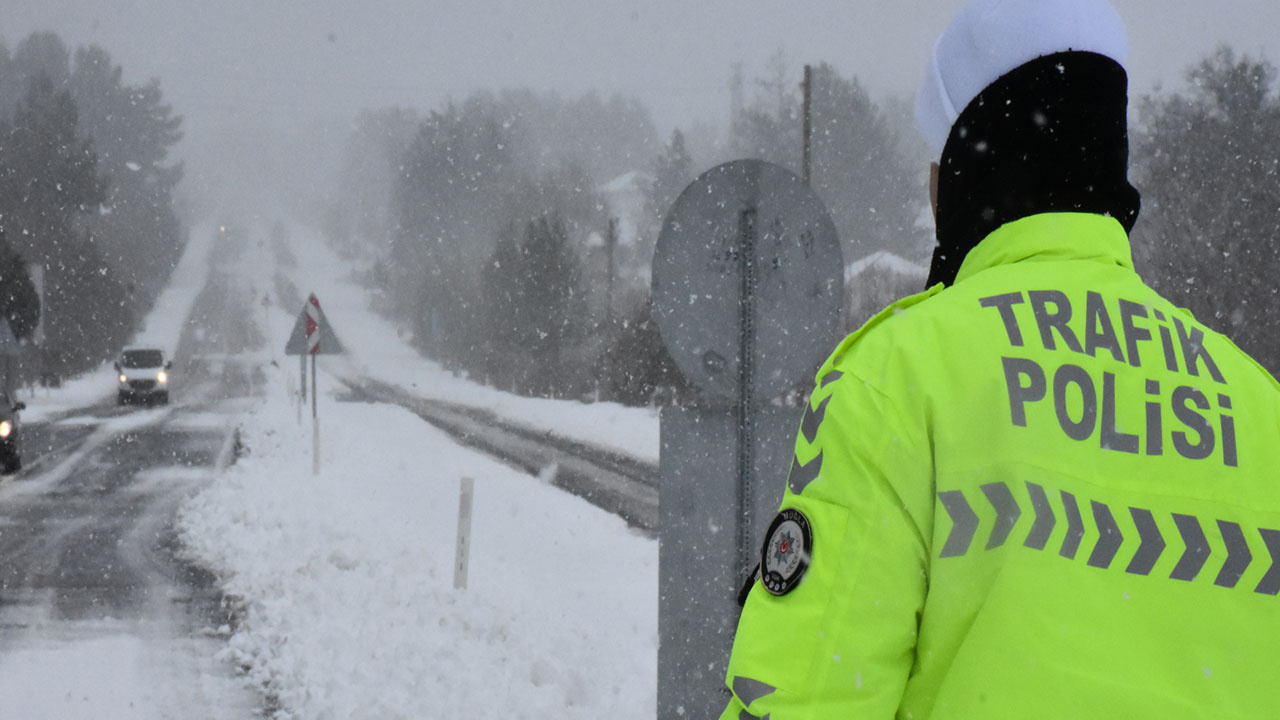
<point>989,38</point>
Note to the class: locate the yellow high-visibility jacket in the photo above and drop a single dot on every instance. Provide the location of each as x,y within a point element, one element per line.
<point>1043,492</point>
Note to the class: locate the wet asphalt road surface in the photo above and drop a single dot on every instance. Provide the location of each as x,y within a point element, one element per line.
<point>91,583</point>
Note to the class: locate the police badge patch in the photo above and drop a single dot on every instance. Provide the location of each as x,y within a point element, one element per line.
<point>787,547</point>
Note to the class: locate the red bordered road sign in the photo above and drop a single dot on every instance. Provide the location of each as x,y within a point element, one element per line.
<point>312,334</point>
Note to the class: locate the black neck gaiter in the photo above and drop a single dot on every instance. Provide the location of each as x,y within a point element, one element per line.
<point>1050,136</point>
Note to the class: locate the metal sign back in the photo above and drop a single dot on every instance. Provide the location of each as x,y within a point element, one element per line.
<point>748,249</point>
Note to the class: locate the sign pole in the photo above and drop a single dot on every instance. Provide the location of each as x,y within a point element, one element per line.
<point>314,333</point>
<point>806,160</point>
<point>304,340</point>
<point>746,414</point>
<point>300,397</point>
<point>315,423</point>
<point>747,281</point>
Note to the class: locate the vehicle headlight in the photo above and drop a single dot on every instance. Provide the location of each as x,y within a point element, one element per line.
<point>123,378</point>
<point>6,428</point>
<point>162,376</point>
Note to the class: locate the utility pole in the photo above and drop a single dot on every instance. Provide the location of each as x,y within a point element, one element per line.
<point>610,244</point>
<point>807,161</point>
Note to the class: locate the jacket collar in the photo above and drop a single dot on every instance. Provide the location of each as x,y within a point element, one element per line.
<point>1051,236</point>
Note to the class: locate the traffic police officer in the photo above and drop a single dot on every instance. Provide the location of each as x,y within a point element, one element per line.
<point>1038,489</point>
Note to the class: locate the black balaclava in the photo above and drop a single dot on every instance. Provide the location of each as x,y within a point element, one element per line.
<point>1049,136</point>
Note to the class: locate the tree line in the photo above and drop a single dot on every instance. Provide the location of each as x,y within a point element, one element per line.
<point>496,228</point>
<point>86,201</point>
<point>512,233</point>
<point>1207,161</point>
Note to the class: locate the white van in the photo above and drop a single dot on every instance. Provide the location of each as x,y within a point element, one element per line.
<point>143,374</point>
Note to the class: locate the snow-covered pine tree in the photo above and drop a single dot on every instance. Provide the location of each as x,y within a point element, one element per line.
<point>1207,161</point>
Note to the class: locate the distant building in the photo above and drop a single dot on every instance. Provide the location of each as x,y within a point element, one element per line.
<point>877,280</point>
<point>625,196</point>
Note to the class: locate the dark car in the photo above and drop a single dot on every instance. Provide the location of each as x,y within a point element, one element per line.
<point>10,434</point>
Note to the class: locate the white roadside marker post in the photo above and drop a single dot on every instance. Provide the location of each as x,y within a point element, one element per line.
<point>465,495</point>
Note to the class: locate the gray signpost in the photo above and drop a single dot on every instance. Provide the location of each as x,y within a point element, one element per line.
<point>747,293</point>
<point>10,348</point>
<point>312,335</point>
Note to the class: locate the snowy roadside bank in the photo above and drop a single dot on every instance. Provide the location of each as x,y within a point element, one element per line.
<point>347,577</point>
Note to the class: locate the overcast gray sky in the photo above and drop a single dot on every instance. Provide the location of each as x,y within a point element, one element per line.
<point>230,65</point>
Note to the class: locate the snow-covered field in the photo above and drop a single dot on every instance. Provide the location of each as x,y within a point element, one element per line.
<point>347,575</point>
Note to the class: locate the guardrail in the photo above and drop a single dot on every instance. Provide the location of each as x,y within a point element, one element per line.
<point>623,485</point>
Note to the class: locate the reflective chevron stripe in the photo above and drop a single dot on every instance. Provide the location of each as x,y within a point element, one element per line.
<point>1075,526</point>
<point>1270,583</point>
<point>1109,537</point>
<point>1238,555</point>
<point>813,419</point>
<point>803,473</point>
<point>964,523</point>
<point>750,690</point>
<point>1196,549</point>
<point>1152,546</point>
<point>1042,528</point>
<point>1007,512</point>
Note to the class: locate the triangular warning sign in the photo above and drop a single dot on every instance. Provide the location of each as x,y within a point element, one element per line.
<point>299,340</point>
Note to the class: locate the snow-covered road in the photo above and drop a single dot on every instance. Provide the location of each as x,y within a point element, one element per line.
<point>98,617</point>
<point>96,620</point>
